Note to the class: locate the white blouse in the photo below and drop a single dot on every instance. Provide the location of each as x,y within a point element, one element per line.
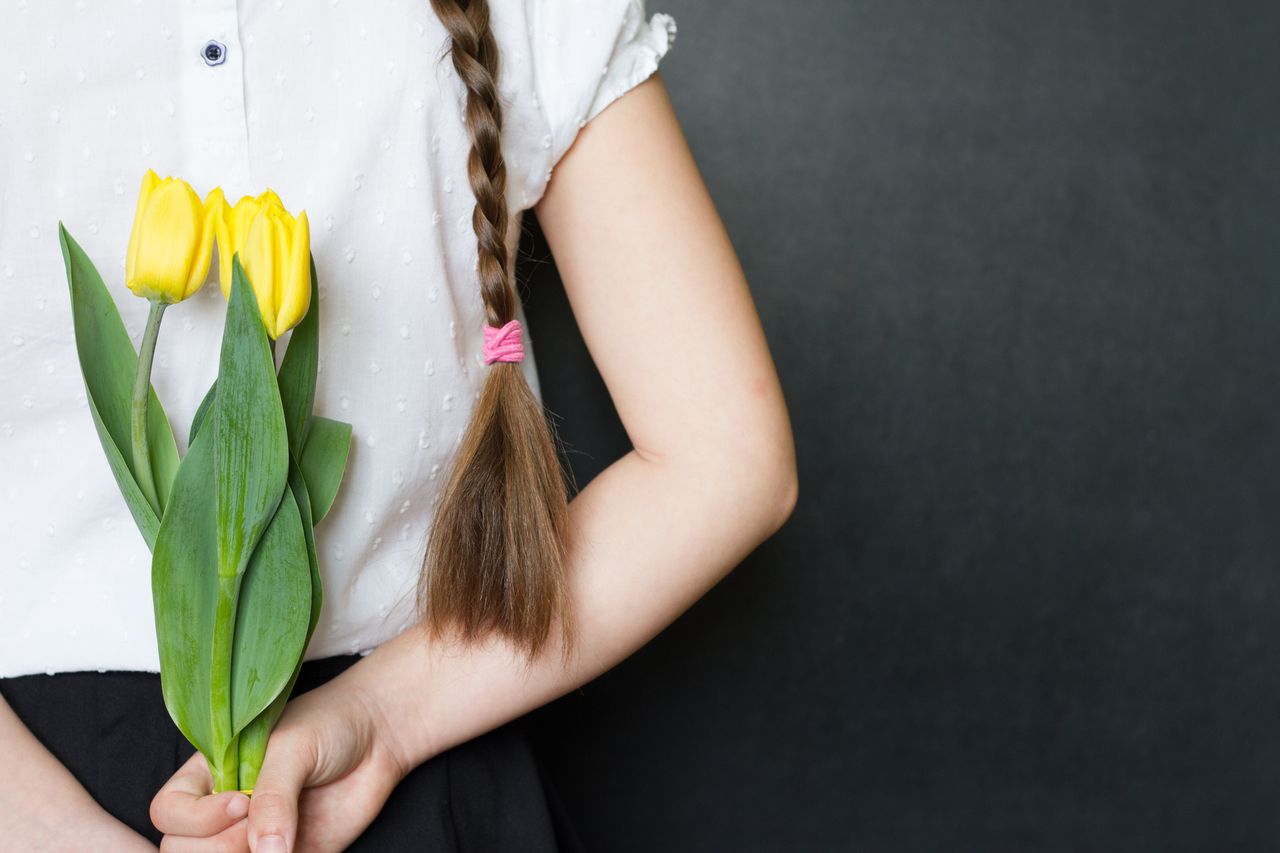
<point>350,110</point>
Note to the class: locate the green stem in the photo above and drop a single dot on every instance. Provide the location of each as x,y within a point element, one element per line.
<point>226,776</point>
<point>141,397</point>
<point>252,749</point>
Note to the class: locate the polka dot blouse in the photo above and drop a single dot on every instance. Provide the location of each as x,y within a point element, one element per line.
<point>351,111</point>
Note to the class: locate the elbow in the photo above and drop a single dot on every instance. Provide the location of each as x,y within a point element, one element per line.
<point>769,480</point>
<point>753,473</point>
<point>785,493</point>
<point>785,476</point>
<point>769,484</point>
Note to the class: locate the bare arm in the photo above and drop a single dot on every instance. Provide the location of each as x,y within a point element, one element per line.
<point>666,313</point>
<point>665,310</point>
<point>43,807</point>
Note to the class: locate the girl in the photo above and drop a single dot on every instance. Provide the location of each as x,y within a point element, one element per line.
<point>414,134</point>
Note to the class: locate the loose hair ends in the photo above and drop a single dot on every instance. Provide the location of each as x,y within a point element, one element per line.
<point>495,559</point>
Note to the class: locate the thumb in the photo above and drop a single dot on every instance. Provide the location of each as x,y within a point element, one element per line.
<point>273,808</point>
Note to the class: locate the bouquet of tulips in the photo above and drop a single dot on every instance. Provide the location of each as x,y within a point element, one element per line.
<point>230,524</point>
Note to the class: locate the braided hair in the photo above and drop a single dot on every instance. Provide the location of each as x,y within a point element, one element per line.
<point>495,559</point>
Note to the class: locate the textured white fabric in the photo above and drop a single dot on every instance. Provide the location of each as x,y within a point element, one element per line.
<point>347,109</point>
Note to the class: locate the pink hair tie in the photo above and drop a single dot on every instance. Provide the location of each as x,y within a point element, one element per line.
<point>503,344</point>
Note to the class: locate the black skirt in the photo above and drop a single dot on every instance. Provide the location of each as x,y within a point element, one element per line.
<point>112,732</point>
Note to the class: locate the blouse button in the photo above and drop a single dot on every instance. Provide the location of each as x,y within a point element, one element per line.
<point>214,53</point>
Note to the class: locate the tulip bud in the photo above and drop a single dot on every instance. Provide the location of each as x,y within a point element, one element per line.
<point>275,251</point>
<point>171,241</point>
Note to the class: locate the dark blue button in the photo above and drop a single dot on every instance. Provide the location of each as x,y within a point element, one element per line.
<point>214,52</point>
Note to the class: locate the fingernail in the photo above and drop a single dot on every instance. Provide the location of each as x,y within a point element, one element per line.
<point>271,844</point>
<point>238,806</point>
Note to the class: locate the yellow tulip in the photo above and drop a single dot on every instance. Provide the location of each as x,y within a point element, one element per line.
<point>275,251</point>
<point>171,241</point>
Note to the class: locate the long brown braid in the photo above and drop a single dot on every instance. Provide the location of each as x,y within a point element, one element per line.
<point>496,555</point>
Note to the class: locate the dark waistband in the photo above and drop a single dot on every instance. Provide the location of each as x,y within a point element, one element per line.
<point>313,673</point>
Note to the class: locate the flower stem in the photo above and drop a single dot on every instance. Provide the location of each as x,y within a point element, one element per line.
<point>141,397</point>
<point>226,776</point>
<point>253,748</point>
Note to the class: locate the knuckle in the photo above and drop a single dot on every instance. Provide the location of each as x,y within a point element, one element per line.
<point>157,812</point>
<point>268,801</point>
<point>285,730</point>
<point>270,810</point>
<point>229,845</point>
<point>288,740</point>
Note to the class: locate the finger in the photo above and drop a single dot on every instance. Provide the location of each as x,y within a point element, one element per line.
<point>184,806</point>
<point>273,809</point>
<point>233,839</point>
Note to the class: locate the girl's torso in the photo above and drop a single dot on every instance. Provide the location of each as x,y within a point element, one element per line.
<point>350,111</point>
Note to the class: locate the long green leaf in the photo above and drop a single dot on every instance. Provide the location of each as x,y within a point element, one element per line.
<point>143,515</point>
<point>202,412</point>
<point>108,362</point>
<point>297,380</point>
<point>250,470</point>
<point>298,371</point>
<point>272,616</point>
<point>253,739</point>
<point>251,453</point>
<point>323,462</point>
<point>324,458</point>
<point>184,590</point>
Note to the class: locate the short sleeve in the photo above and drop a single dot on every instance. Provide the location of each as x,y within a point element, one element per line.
<point>588,53</point>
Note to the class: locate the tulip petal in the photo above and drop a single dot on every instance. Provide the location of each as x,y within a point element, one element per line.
<point>217,209</point>
<point>256,257</point>
<point>149,181</point>
<point>233,231</point>
<point>296,298</point>
<point>275,251</point>
<point>204,249</point>
<point>170,230</point>
<point>279,271</point>
<point>241,215</point>
<point>268,197</point>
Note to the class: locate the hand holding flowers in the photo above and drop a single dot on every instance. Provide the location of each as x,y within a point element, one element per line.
<point>331,765</point>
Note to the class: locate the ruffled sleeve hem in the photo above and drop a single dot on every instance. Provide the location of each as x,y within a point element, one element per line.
<point>585,57</point>
<point>635,59</point>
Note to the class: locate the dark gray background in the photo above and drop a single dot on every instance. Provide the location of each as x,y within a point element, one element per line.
<point>1018,265</point>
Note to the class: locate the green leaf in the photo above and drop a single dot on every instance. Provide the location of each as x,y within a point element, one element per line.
<point>143,515</point>
<point>253,739</point>
<point>298,371</point>
<point>108,362</point>
<point>324,458</point>
<point>299,487</point>
<point>184,590</point>
<point>272,616</point>
<point>202,412</point>
<point>273,613</point>
<point>232,588</point>
<point>297,380</point>
<point>251,453</point>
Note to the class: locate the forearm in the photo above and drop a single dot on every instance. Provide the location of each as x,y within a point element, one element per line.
<point>44,807</point>
<point>648,538</point>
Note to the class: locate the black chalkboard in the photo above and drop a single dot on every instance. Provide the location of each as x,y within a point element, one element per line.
<point>1019,264</point>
